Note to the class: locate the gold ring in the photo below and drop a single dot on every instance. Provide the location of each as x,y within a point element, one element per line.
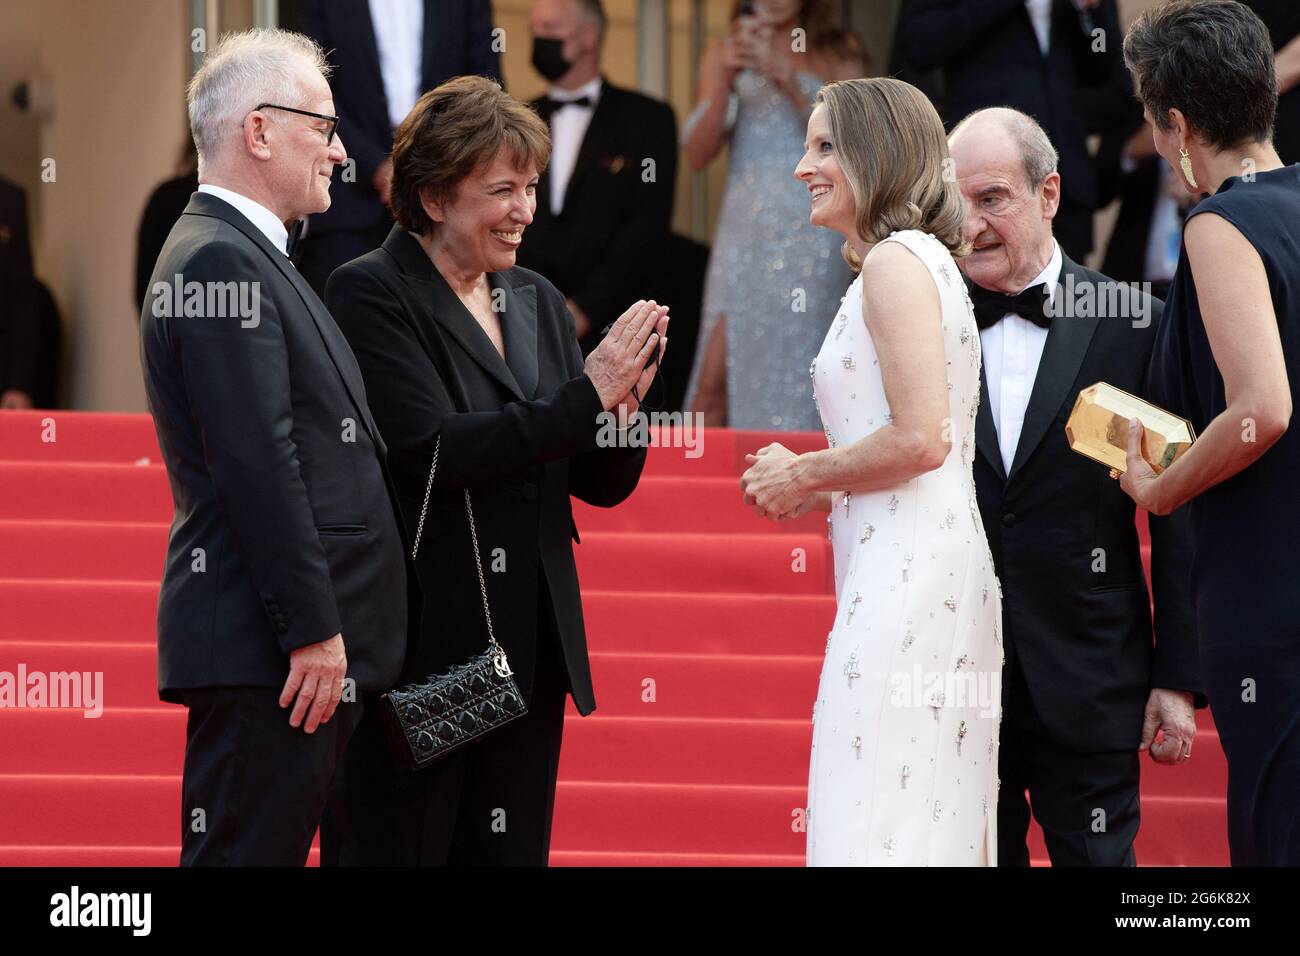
<point>1114,473</point>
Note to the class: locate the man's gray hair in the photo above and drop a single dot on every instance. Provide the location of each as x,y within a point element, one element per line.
<point>1036,150</point>
<point>243,70</point>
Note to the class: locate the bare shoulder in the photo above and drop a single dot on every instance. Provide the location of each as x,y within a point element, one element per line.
<point>895,278</point>
<point>1216,245</point>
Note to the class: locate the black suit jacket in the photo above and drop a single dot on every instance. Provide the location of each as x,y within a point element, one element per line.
<point>20,358</point>
<point>520,434</point>
<point>1083,639</point>
<point>277,474</point>
<point>989,54</point>
<point>457,41</point>
<point>602,250</point>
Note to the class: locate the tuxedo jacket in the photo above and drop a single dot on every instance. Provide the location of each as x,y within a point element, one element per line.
<point>285,529</point>
<point>1083,637</point>
<point>602,250</point>
<point>457,41</point>
<point>19,319</point>
<point>520,434</point>
<point>989,56</point>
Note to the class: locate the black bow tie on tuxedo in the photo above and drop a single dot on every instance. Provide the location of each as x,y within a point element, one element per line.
<point>294,235</point>
<point>550,104</point>
<point>992,307</point>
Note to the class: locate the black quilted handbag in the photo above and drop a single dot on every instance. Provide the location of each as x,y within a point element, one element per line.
<point>430,718</point>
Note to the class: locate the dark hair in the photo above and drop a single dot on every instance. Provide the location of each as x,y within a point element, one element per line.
<point>1211,59</point>
<point>453,130</point>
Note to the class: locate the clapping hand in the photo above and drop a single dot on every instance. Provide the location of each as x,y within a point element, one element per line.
<point>619,361</point>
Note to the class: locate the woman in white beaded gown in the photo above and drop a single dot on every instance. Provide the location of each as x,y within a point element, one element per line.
<point>904,758</point>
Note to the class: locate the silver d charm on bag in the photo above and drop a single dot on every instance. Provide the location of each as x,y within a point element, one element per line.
<point>430,718</point>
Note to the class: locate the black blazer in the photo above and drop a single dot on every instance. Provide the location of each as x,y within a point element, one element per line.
<point>603,248</point>
<point>277,474</point>
<point>457,41</point>
<point>520,434</point>
<point>989,54</point>
<point>1082,638</point>
<point>19,320</point>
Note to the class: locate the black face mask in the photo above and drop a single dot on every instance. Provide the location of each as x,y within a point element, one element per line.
<point>548,58</point>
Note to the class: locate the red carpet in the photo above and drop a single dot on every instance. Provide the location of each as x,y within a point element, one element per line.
<point>681,585</point>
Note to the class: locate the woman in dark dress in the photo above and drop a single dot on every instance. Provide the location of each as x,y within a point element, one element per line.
<point>465,354</point>
<point>1228,359</point>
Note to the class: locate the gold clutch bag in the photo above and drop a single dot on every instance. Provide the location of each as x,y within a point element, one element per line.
<point>1098,428</point>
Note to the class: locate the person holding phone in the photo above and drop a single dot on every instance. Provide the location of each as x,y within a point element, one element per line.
<point>772,274</point>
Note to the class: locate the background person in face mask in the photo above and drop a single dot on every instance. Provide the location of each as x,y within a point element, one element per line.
<point>605,202</point>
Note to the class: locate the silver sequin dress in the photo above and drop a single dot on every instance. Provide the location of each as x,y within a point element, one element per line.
<point>903,769</point>
<point>772,274</point>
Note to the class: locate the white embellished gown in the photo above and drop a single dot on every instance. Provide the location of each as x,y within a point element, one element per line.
<point>903,769</point>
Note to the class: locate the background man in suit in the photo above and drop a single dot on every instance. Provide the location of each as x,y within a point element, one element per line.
<point>18,318</point>
<point>284,580</point>
<point>1083,690</point>
<point>603,211</point>
<point>385,54</point>
<point>1031,55</point>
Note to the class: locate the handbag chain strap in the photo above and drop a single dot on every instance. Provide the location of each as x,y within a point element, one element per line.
<point>469,510</point>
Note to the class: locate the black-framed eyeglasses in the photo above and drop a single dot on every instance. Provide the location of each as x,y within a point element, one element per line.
<point>332,120</point>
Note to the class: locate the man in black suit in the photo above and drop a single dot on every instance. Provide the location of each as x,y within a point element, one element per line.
<point>285,581</point>
<point>605,202</point>
<point>1083,689</point>
<point>1031,55</point>
<point>19,348</point>
<point>385,55</point>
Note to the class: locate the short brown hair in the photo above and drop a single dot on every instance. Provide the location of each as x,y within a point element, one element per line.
<point>892,147</point>
<point>453,130</point>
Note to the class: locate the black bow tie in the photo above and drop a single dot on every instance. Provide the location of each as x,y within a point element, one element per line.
<point>992,307</point>
<point>550,104</point>
<point>294,235</point>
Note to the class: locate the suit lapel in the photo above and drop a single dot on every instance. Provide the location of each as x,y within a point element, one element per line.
<point>986,435</point>
<point>1067,344</point>
<point>450,313</point>
<point>519,331</point>
<point>336,345</point>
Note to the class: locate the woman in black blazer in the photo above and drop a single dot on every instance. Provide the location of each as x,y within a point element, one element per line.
<point>459,346</point>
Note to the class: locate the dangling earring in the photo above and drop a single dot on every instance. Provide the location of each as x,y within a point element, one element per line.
<point>1186,162</point>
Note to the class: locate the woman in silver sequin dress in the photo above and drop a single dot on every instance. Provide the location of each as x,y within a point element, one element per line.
<point>772,277</point>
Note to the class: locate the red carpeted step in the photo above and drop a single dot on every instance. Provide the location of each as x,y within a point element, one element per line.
<point>590,817</point>
<point>61,435</point>
<point>771,563</point>
<point>53,610</point>
<point>597,748</point>
<point>76,491</point>
<point>127,438</point>
<point>628,684</point>
<point>655,622</point>
<point>84,856</point>
<point>690,505</point>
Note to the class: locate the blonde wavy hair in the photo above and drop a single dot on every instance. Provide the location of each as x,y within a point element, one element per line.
<point>892,146</point>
